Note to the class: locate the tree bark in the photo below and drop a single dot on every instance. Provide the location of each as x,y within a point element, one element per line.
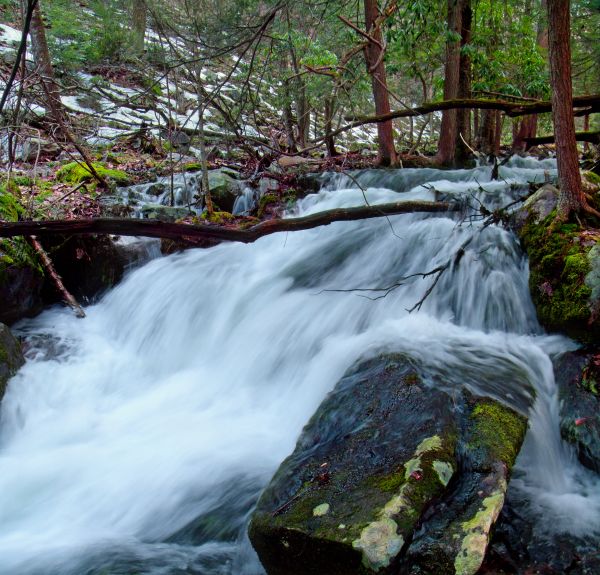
<point>463,117</point>
<point>158,229</point>
<point>448,129</point>
<point>571,197</point>
<point>374,57</point>
<point>139,13</point>
<point>41,54</point>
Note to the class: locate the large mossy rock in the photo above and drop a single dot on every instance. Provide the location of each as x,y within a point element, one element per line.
<point>577,375</point>
<point>224,189</point>
<point>564,263</point>
<point>11,357</point>
<point>381,455</point>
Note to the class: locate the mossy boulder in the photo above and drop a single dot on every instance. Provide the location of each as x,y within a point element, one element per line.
<point>11,357</point>
<point>564,263</point>
<point>77,172</point>
<point>380,454</point>
<point>163,213</point>
<point>577,375</point>
<point>224,189</point>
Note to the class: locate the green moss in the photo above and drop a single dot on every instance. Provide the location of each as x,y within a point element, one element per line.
<point>497,431</point>
<point>477,531</point>
<point>389,482</point>
<point>217,217</point>
<point>75,173</point>
<point>558,268</point>
<point>590,384</point>
<point>192,166</point>
<point>592,177</point>
<point>266,200</point>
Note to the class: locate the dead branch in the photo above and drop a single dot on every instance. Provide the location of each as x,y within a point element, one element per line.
<point>56,279</point>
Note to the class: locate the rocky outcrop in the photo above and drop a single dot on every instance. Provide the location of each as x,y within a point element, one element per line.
<point>11,357</point>
<point>564,263</point>
<point>384,455</point>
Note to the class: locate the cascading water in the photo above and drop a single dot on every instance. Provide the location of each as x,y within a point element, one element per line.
<point>138,440</point>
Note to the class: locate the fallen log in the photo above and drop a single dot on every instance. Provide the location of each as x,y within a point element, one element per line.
<point>582,105</point>
<point>160,229</point>
<point>591,137</point>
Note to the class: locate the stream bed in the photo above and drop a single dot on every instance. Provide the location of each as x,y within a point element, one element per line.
<point>139,439</point>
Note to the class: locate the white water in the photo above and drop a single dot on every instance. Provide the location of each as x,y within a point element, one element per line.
<point>176,399</point>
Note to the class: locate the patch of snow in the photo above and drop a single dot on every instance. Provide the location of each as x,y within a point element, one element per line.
<point>9,34</point>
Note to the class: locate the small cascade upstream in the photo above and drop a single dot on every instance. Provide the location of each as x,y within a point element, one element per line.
<point>138,440</point>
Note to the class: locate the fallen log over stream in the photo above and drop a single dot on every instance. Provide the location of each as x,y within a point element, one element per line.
<point>160,229</point>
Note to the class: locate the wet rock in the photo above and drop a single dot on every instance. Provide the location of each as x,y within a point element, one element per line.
<point>456,536</point>
<point>224,189</point>
<point>383,452</point>
<point>20,292</point>
<point>537,207</point>
<point>88,265</point>
<point>163,213</point>
<point>519,546</point>
<point>11,357</point>
<point>577,375</point>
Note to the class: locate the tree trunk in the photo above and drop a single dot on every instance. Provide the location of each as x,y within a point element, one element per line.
<point>329,111</point>
<point>448,130</point>
<point>374,59</point>
<point>463,119</point>
<point>41,54</point>
<point>571,197</point>
<point>139,12</point>
<point>528,125</point>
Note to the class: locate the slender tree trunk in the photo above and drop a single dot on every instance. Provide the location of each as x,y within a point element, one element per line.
<point>329,111</point>
<point>499,120</point>
<point>41,54</point>
<point>463,118</point>
<point>205,185</point>
<point>448,129</point>
<point>528,126</point>
<point>374,58</point>
<point>139,12</point>
<point>571,197</point>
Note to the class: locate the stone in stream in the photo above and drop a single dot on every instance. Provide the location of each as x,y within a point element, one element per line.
<point>577,375</point>
<point>11,357</point>
<point>384,454</point>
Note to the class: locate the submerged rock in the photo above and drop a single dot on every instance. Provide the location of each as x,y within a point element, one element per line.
<point>578,378</point>
<point>381,455</point>
<point>11,357</point>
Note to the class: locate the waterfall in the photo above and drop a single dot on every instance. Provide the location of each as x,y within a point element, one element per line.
<point>138,440</point>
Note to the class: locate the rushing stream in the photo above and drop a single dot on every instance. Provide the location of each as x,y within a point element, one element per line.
<point>137,440</point>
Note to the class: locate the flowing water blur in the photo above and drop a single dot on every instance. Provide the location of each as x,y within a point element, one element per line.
<point>138,440</point>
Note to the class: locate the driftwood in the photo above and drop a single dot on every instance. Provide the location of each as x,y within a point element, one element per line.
<point>591,137</point>
<point>159,229</point>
